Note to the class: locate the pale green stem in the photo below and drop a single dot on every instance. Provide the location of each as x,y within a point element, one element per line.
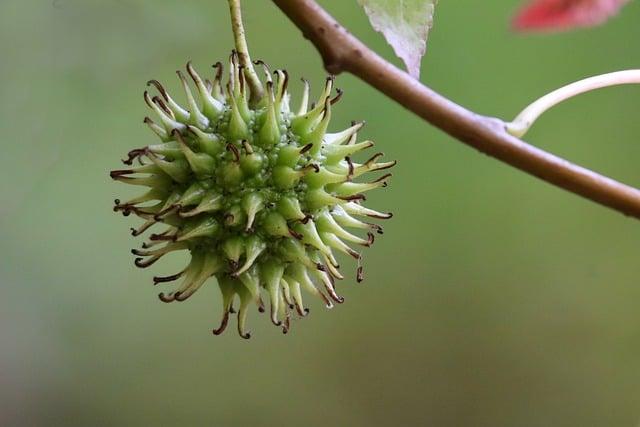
<point>521,124</point>
<point>254,82</point>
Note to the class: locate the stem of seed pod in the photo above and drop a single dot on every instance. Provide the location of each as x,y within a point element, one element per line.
<point>523,122</point>
<point>243,51</point>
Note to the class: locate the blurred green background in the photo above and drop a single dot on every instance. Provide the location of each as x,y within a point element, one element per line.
<point>493,299</point>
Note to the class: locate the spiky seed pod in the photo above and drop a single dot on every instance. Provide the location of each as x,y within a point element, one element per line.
<point>260,195</point>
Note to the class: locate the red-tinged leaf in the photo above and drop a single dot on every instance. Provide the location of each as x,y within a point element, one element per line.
<point>558,15</point>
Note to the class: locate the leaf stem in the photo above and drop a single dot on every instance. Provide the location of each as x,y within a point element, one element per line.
<point>523,122</point>
<point>243,51</point>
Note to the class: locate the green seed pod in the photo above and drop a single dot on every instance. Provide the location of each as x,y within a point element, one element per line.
<point>258,193</point>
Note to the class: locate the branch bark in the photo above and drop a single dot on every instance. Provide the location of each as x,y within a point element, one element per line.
<point>342,52</point>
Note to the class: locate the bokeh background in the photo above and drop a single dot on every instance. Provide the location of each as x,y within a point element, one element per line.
<point>493,299</point>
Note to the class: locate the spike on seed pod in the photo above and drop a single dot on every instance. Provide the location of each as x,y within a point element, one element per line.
<point>260,195</point>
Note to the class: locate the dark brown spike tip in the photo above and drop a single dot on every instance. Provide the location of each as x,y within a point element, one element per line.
<point>166,298</point>
<point>295,234</point>
<point>115,174</point>
<point>354,197</point>
<point>166,279</point>
<point>306,148</point>
<point>134,154</point>
<point>339,93</point>
<point>219,70</point>
<point>223,324</point>
<point>141,263</point>
<point>370,239</point>
<point>160,88</point>
<point>234,150</point>
<point>183,296</point>
<point>383,179</point>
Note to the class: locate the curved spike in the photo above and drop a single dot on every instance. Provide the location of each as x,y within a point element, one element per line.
<point>170,247</point>
<point>332,266</point>
<point>327,223</point>
<point>317,134</point>
<point>180,113</point>
<point>216,90</point>
<point>211,107</point>
<point>242,316</point>
<point>265,67</point>
<point>294,289</point>
<point>223,323</point>
<point>319,198</point>
<point>290,208</point>
<point>207,228</point>
<point>335,153</point>
<point>201,164</point>
<point>192,271</point>
<point>271,273</point>
<point>144,168</point>
<point>356,209</point>
<point>348,189</point>
<point>340,138</point>
<point>157,129</point>
<point>152,181</point>
<point>135,154</point>
<point>334,241</point>
<point>178,170</point>
<point>208,143</point>
<point>285,177</point>
<point>254,247</point>
<point>167,279</point>
<point>346,220</point>
<point>152,194</point>
<point>304,102</point>
<point>269,133</point>
<point>211,264</point>
<point>228,292</point>
<point>196,117</point>
<point>324,277</point>
<point>310,236</point>
<point>338,97</point>
<point>251,280</point>
<point>252,203</point>
<point>144,227</point>
<point>170,150</point>
<point>281,89</point>
<point>302,124</point>
<point>211,202</point>
<point>164,114</point>
<point>293,250</point>
<point>237,129</point>
<point>156,254</point>
<point>192,196</point>
<point>301,275</point>
<point>286,292</point>
<point>324,177</point>
<point>355,169</point>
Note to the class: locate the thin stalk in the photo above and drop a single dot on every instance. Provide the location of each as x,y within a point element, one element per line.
<point>237,26</point>
<point>521,124</point>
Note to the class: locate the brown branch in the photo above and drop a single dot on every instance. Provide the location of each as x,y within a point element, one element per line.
<point>341,51</point>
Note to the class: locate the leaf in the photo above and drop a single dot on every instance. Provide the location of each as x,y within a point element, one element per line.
<point>558,15</point>
<point>405,25</point>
